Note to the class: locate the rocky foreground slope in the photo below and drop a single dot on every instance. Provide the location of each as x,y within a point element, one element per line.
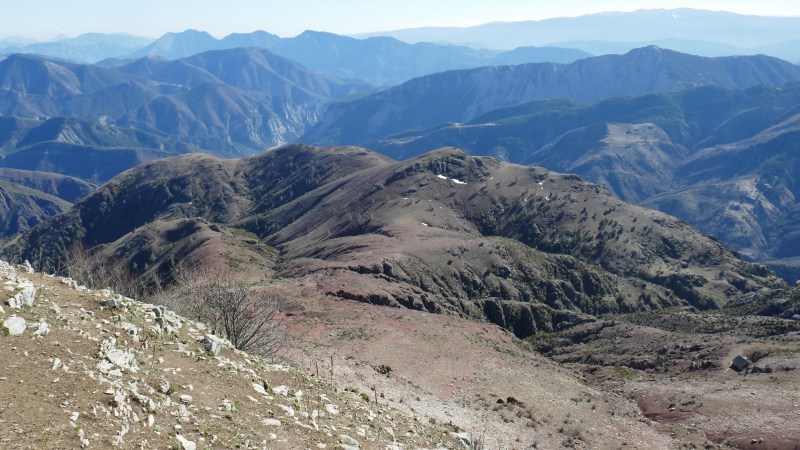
<point>81,368</point>
<point>89,368</point>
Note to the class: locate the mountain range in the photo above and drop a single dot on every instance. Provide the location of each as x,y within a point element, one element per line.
<point>528,249</point>
<point>268,99</point>
<point>240,101</point>
<point>379,61</point>
<point>243,100</point>
<point>699,32</point>
<point>643,26</point>
<point>721,159</point>
<point>560,249</point>
<point>88,47</point>
<point>459,96</point>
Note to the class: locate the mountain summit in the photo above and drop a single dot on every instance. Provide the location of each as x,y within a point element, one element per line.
<point>528,249</point>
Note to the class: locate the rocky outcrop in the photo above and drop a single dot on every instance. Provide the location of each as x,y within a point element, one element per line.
<point>21,292</point>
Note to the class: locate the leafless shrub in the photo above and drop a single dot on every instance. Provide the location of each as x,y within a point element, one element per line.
<point>246,315</point>
<point>89,268</point>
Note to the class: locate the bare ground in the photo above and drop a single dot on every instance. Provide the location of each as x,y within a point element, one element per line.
<point>462,373</point>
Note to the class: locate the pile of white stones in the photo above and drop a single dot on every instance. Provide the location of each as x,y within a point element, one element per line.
<point>20,293</point>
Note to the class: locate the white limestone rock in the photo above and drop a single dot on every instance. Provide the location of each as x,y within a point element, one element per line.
<point>110,303</point>
<point>185,443</point>
<point>114,357</point>
<point>212,344</point>
<point>288,410</point>
<point>25,296</point>
<point>348,441</point>
<point>259,388</point>
<point>15,325</point>
<point>281,390</point>
<point>42,328</point>
<point>26,267</point>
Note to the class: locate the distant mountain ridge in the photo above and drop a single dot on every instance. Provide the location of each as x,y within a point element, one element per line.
<point>79,148</point>
<point>563,40</point>
<point>645,25</point>
<point>268,99</point>
<point>27,198</point>
<point>64,187</point>
<point>721,159</point>
<point>378,60</point>
<point>86,48</point>
<point>459,96</point>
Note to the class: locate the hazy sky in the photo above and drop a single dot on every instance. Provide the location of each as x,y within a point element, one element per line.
<point>43,19</point>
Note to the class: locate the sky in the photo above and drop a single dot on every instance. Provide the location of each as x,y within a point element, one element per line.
<point>46,19</point>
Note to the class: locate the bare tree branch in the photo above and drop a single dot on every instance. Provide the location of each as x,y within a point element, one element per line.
<point>244,314</point>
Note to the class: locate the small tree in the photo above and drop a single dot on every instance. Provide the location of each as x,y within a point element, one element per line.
<point>90,268</point>
<point>246,315</point>
<point>79,264</point>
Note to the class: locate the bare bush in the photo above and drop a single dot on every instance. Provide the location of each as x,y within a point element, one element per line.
<point>246,315</point>
<point>89,268</point>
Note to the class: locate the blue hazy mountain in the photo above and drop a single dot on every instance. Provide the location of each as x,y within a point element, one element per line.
<point>230,102</point>
<point>86,48</point>
<point>459,96</point>
<point>639,26</point>
<point>724,160</point>
<point>378,61</point>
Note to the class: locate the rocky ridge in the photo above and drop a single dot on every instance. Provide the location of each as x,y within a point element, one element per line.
<point>525,248</point>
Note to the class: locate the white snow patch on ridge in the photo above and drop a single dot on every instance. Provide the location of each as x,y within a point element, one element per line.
<point>454,180</point>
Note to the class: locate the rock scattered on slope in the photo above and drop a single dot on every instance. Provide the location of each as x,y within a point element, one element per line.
<point>137,375</point>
